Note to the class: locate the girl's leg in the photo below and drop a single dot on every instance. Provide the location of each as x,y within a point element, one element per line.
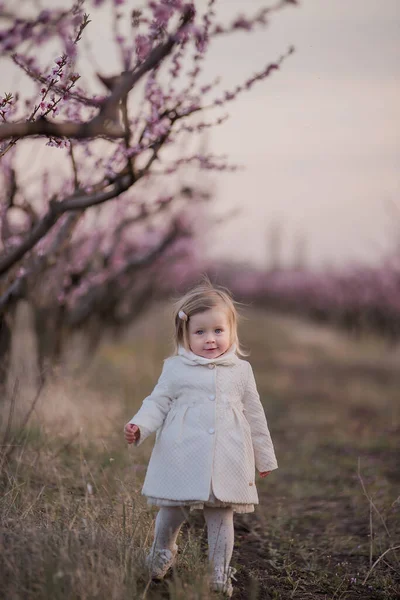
<point>168,523</point>
<point>220,533</point>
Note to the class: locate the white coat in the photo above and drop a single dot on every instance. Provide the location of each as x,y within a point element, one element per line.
<point>211,428</point>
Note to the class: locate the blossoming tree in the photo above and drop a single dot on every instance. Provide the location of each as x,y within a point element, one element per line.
<point>109,202</point>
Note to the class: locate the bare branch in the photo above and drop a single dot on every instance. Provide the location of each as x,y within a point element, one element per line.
<point>83,200</point>
<point>68,129</point>
<point>40,229</point>
<point>4,148</point>
<point>74,167</point>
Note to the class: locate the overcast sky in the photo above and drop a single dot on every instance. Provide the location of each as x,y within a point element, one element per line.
<point>319,140</point>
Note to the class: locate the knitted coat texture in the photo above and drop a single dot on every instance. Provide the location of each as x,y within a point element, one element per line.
<point>211,428</point>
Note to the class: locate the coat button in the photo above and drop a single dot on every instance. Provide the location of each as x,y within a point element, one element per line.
<point>211,430</point>
<point>211,366</point>
<point>212,397</point>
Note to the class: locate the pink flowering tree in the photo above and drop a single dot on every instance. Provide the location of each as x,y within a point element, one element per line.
<point>358,298</point>
<point>106,222</point>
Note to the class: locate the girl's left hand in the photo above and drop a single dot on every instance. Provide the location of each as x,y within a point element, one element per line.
<point>264,473</point>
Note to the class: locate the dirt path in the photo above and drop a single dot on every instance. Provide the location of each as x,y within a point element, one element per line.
<point>334,410</point>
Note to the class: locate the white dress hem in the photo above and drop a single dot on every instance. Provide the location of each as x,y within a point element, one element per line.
<point>199,504</point>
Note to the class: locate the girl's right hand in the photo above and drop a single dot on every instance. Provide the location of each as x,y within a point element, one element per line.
<point>132,433</point>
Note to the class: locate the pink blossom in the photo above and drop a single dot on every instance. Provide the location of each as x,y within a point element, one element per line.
<point>242,23</point>
<point>161,12</point>
<point>176,4</point>
<point>58,142</point>
<point>230,96</point>
<point>143,45</point>
<point>133,151</point>
<point>160,128</point>
<point>218,29</point>
<point>44,16</point>
<point>165,199</point>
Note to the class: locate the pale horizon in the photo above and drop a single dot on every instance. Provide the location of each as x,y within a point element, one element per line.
<point>319,139</point>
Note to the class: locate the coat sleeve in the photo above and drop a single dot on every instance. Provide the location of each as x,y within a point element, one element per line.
<point>155,407</point>
<point>264,453</point>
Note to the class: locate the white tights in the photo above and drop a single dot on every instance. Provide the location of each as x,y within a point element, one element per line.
<point>220,531</point>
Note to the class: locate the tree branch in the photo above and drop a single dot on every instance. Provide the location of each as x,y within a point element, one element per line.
<point>18,288</point>
<point>74,167</point>
<point>34,236</point>
<point>16,291</point>
<point>56,209</point>
<point>80,201</point>
<point>104,122</point>
<point>68,129</point>
<point>109,290</point>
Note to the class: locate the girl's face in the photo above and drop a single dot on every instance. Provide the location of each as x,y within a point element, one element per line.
<point>209,333</point>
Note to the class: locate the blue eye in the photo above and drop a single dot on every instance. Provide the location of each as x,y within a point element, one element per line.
<point>199,331</point>
<point>218,331</point>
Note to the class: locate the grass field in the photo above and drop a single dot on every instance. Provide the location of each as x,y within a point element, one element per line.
<point>75,526</point>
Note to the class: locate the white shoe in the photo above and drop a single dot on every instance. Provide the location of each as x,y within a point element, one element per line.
<point>221,580</point>
<point>159,561</point>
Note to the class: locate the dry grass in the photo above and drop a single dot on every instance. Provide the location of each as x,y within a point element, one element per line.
<point>75,526</point>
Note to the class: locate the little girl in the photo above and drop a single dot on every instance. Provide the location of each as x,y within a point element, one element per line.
<point>211,433</point>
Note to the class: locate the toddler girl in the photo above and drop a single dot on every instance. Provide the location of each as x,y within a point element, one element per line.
<point>211,433</point>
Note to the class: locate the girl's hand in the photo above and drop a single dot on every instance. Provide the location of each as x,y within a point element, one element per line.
<point>264,473</point>
<point>132,433</point>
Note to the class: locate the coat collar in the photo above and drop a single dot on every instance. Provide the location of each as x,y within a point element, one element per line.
<point>228,358</point>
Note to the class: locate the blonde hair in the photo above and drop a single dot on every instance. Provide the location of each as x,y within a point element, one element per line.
<point>199,299</point>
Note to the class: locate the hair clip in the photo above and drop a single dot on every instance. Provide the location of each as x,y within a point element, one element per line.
<point>182,315</point>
